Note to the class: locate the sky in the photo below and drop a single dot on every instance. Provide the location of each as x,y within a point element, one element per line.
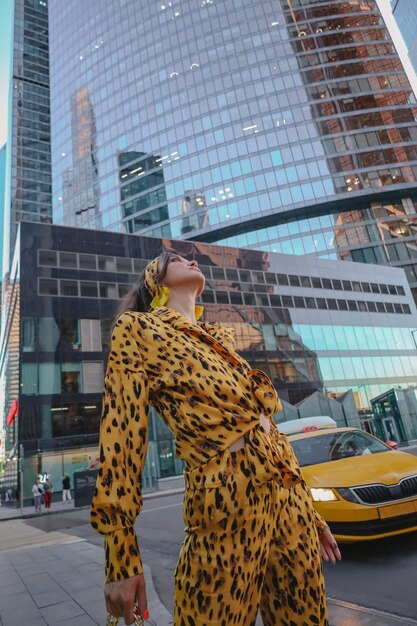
<point>6,11</point>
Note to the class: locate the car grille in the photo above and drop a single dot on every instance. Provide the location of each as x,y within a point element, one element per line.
<point>378,494</point>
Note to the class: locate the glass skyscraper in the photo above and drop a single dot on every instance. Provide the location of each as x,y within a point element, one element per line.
<point>28,172</point>
<point>284,126</point>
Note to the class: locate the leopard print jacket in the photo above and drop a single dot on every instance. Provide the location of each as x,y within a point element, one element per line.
<point>204,391</point>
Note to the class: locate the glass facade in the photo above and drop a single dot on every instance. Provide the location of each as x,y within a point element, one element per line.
<point>330,328</point>
<point>29,192</point>
<point>287,126</point>
<point>405,15</point>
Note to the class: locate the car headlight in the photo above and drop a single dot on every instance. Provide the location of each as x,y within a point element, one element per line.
<point>347,494</point>
<point>323,495</point>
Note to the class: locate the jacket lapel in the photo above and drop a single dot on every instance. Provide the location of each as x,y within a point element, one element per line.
<point>210,334</point>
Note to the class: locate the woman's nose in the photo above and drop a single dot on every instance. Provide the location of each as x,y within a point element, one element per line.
<point>194,263</point>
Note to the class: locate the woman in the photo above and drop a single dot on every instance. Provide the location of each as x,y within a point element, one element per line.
<point>37,492</point>
<point>48,491</point>
<point>251,531</point>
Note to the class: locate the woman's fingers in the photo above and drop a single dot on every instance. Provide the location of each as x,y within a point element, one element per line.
<point>141,598</point>
<point>122,596</point>
<point>328,547</point>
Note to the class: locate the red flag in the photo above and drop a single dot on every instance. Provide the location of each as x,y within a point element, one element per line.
<point>11,416</point>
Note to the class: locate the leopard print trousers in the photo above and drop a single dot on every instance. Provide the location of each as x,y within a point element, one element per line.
<point>250,544</point>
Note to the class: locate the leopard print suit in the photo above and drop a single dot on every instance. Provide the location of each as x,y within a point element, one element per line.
<point>251,531</point>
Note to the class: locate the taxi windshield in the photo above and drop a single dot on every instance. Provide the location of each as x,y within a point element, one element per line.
<point>322,448</point>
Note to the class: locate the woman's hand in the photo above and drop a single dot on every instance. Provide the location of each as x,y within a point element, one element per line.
<point>328,546</point>
<point>121,596</point>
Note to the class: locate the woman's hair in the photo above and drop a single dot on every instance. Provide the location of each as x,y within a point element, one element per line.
<point>138,297</point>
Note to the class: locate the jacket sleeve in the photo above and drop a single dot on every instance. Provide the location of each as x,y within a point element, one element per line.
<point>123,445</point>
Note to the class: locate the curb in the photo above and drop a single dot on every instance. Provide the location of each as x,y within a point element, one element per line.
<point>146,496</point>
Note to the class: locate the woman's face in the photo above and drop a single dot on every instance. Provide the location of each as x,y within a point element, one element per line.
<point>183,273</point>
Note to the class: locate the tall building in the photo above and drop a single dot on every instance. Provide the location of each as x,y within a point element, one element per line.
<point>28,175</point>
<point>292,121</point>
<point>2,199</point>
<point>331,336</point>
<point>405,14</point>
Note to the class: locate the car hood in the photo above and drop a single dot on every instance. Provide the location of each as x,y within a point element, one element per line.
<point>384,467</point>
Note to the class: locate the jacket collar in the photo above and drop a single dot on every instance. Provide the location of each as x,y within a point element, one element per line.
<point>212,334</point>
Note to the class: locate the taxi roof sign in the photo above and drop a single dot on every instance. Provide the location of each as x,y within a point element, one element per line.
<point>307,424</point>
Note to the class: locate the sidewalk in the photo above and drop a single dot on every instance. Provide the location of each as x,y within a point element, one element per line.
<point>58,581</point>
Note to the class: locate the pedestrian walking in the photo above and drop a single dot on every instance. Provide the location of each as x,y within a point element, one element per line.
<point>37,492</point>
<point>253,539</point>
<point>48,491</point>
<point>66,488</point>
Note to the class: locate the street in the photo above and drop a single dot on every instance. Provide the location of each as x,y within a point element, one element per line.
<point>376,575</point>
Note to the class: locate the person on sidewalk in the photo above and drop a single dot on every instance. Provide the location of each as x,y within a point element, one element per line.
<point>37,492</point>
<point>66,488</point>
<point>253,539</point>
<point>48,491</point>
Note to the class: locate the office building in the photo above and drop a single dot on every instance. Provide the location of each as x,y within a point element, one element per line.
<point>28,174</point>
<point>331,335</point>
<point>285,126</point>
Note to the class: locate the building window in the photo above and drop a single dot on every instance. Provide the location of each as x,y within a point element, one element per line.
<point>384,289</point>
<point>406,309</point>
<point>389,307</point>
<point>231,274</point>
<point>347,285</point>
<point>222,297</point>
<point>90,335</point>
<point>69,287</point>
<point>371,307</point>
<point>270,278</point>
<point>93,376</point>
<point>305,281</point>
<point>208,297</point>
<point>287,301</point>
<point>106,264</point>
<point>316,282</point>
<point>249,299</point>
<point>218,273</point>
<point>294,280</point>
<point>47,257</point>
<point>124,265</point>
<point>366,287</point>
<point>337,284</point>
<point>244,276</point>
<point>374,288</point>
<point>353,305</point>
<point>392,290</point>
<point>87,261</point>
<point>321,303</point>
<point>282,279</point>
<point>68,259</point>
<point>342,305</point>
<point>48,287</point>
<point>299,302</point>
<point>88,289</point>
<point>356,286</point>
<point>327,283</point>
<point>398,307</point>
<point>258,277</point>
<point>362,305</point>
<point>332,304</point>
<point>400,290</point>
<point>275,301</point>
<point>310,303</point>
<point>235,297</point>
<point>380,307</point>
<point>108,290</point>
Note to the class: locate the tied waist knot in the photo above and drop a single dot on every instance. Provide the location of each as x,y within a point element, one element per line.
<point>264,393</point>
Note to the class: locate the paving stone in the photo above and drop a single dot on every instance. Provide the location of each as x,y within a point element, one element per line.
<point>81,620</point>
<point>61,611</point>
<point>48,598</point>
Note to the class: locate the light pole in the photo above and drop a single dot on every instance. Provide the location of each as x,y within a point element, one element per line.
<point>414,339</point>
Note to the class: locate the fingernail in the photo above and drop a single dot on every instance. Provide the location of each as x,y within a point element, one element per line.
<point>146,614</point>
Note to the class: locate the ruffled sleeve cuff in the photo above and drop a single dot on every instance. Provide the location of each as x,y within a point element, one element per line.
<point>122,555</point>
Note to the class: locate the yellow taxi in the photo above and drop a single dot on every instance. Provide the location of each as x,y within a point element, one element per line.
<point>362,487</point>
